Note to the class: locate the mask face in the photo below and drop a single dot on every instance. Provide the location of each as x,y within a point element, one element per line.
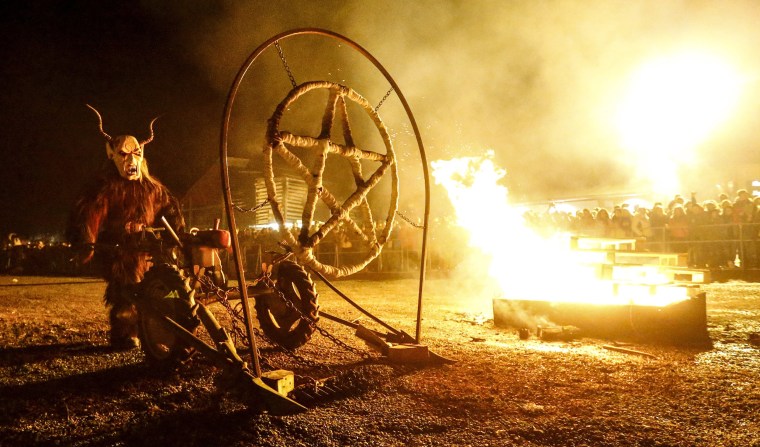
<point>127,154</point>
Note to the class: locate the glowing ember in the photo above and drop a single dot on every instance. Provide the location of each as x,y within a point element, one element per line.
<point>527,266</point>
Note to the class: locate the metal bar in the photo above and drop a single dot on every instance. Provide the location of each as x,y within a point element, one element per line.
<point>357,306</point>
<point>227,191</point>
<point>355,325</point>
<point>220,359</point>
<point>217,333</point>
<point>171,231</point>
<point>224,165</point>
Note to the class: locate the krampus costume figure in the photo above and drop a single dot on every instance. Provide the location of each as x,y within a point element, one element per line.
<point>120,202</point>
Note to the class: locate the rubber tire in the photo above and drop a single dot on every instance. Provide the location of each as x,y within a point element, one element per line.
<point>163,289</point>
<point>281,324</point>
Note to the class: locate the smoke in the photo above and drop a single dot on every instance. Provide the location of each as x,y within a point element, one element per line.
<point>537,81</point>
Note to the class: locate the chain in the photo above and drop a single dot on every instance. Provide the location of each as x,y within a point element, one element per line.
<point>236,316</point>
<point>250,210</point>
<point>311,389</point>
<point>285,63</point>
<point>383,100</point>
<point>409,220</point>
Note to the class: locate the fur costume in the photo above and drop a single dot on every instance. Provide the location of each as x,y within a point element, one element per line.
<point>118,203</point>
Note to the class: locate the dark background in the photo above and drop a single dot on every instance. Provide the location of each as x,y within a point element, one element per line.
<point>530,80</point>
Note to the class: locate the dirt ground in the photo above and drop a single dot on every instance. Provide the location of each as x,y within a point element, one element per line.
<point>60,384</point>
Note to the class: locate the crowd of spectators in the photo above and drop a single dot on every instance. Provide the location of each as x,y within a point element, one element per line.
<point>42,256</point>
<point>342,246</point>
<point>716,233</point>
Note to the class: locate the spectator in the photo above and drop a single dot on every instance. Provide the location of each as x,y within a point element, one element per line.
<point>751,234</point>
<point>743,206</point>
<point>713,233</point>
<point>730,233</point>
<point>677,200</point>
<point>696,217</point>
<point>602,223</point>
<point>585,224</point>
<point>658,222</point>
<point>678,229</point>
<point>621,222</point>
<point>640,225</point>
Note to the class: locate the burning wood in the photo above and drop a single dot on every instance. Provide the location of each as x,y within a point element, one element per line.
<point>604,286</point>
<point>645,300</point>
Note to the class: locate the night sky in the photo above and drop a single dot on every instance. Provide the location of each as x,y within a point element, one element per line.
<point>122,60</point>
<point>528,79</point>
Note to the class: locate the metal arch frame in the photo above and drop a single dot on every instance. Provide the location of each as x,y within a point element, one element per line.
<point>226,179</point>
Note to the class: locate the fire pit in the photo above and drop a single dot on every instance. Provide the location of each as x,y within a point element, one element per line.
<point>647,297</point>
<point>684,322</point>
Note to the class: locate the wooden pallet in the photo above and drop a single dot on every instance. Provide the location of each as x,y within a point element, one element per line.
<point>596,256</point>
<point>602,243</point>
<point>688,275</point>
<point>650,274</point>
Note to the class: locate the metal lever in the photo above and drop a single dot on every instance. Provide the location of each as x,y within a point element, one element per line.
<point>171,231</point>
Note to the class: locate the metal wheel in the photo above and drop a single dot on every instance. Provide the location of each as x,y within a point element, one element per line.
<point>281,323</point>
<point>163,292</point>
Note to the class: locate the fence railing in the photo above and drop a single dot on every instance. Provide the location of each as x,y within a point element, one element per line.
<point>390,260</point>
<point>734,245</point>
<point>707,246</point>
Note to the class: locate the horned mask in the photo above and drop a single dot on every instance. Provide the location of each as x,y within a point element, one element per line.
<point>125,151</point>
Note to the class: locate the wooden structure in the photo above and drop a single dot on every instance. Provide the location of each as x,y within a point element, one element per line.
<point>203,202</point>
<point>291,195</point>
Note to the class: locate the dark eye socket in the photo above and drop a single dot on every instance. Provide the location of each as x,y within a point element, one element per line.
<point>125,153</point>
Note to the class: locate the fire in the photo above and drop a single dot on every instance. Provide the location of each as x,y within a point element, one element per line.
<point>672,105</point>
<point>527,266</point>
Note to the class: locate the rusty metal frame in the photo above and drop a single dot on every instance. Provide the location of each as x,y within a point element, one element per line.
<point>224,166</point>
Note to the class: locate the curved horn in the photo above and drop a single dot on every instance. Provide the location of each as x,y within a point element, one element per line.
<point>100,123</point>
<point>150,138</point>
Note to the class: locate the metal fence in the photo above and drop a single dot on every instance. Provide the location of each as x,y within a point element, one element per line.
<point>721,246</point>
<point>390,260</point>
<point>714,246</point>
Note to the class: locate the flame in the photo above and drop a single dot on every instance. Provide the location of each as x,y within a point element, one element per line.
<point>672,105</point>
<point>527,266</point>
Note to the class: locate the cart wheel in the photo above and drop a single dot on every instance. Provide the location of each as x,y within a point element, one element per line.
<point>280,323</point>
<point>163,292</point>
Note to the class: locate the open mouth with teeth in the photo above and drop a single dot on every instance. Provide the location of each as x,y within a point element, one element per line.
<point>131,171</point>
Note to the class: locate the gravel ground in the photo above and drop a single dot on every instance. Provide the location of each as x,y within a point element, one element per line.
<point>60,384</point>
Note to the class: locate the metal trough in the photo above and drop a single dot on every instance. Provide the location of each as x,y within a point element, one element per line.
<point>681,323</point>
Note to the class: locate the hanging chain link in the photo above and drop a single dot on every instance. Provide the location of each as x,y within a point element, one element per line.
<point>387,94</point>
<point>250,210</point>
<point>311,389</point>
<point>236,316</point>
<point>285,63</point>
<point>409,220</point>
